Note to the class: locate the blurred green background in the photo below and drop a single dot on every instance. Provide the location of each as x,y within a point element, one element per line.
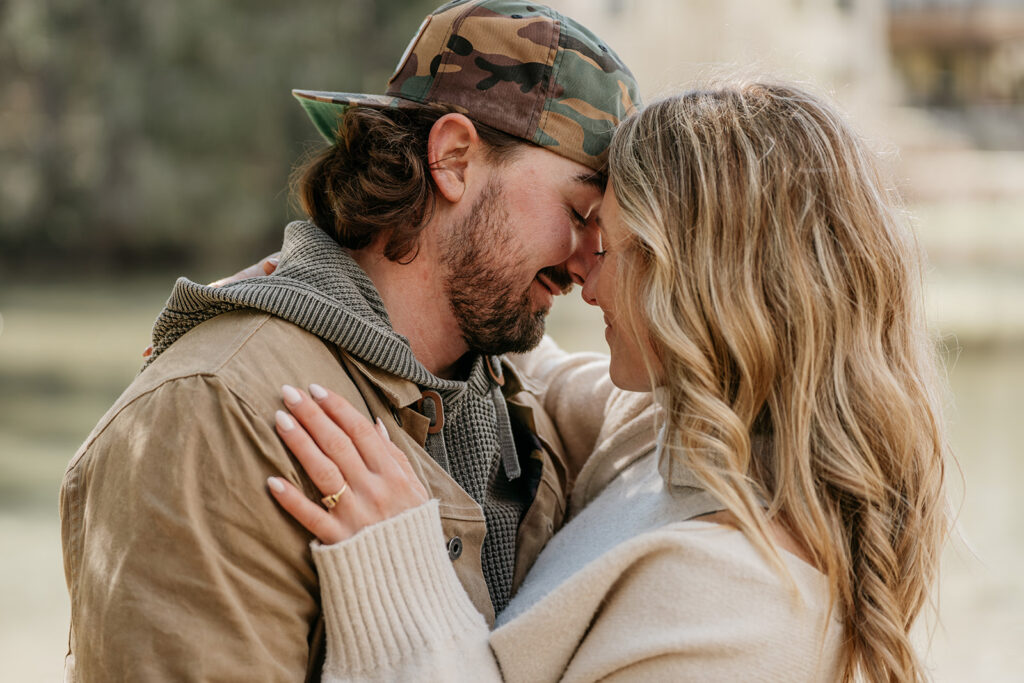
<point>142,141</point>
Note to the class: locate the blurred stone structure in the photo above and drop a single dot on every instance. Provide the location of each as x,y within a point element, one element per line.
<point>959,52</point>
<point>939,79</point>
<point>960,65</point>
<point>835,44</point>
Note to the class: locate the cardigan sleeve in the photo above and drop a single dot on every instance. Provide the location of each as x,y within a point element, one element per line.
<point>575,390</point>
<point>394,607</point>
<point>593,417</point>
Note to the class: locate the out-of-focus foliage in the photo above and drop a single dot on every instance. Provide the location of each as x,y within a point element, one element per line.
<point>135,134</point>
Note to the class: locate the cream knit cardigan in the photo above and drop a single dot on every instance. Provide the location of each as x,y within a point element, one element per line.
<point>630,589</point>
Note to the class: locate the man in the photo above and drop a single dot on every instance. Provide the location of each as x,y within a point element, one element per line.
<point>444,218</point>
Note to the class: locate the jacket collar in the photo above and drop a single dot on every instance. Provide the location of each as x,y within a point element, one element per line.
<point>401,392</point>
<point>398,392</point>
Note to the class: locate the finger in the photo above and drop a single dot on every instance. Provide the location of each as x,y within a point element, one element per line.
<point>381,429</point>
<point>398,455</point>
<point>311,516</point>
<point>256,270</point>
<point>330,501</point>
<point>323,471</point>
<point>269,264</point>
<point>329,438</point>
<point>363,434</point>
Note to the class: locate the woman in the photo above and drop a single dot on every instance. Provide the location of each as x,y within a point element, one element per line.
<point>758,278</point>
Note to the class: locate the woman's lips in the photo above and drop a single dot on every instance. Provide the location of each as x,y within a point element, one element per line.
<point>607,331</point>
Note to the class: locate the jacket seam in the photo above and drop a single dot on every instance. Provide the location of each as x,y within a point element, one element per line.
<point>239,342</point>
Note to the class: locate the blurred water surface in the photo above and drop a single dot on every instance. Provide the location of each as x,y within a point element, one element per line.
<point>67,351</point>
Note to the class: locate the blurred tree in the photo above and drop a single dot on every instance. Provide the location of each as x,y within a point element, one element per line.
<point>135,135</point>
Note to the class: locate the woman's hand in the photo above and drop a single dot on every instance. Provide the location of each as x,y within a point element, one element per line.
<point>364,477</point>
<point>265,267</point>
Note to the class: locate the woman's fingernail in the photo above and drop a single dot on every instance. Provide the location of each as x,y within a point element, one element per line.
<point>273,260</point>
<point>291,394</point>
<point>317,392</point>
<point>284,421</point>
<point>383,430</point>
<point>275,485</point>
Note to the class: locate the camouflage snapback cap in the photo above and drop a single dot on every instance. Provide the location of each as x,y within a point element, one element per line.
<point>519,67</point>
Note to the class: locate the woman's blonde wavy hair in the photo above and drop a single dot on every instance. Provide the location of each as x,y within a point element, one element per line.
<point>780,287</point>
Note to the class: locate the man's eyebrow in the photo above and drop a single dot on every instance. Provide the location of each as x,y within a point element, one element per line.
<point>595,179</point>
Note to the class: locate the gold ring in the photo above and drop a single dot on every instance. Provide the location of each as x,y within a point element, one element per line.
<point>332,500</point>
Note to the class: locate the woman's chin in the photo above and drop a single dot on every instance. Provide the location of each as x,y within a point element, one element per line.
<point>630,379</point>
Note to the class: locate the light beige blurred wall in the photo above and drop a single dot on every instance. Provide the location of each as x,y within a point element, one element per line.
<point>670,44</point>
<point>839,47</point>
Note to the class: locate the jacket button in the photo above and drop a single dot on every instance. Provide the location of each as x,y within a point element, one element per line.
<point>454,548</point>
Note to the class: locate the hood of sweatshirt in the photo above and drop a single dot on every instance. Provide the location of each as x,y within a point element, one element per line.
<point>319,287</point>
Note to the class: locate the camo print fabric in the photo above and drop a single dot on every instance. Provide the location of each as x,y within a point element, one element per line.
<point>521,68</point>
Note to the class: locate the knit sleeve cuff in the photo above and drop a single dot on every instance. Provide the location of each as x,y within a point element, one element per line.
<point>390,593</point>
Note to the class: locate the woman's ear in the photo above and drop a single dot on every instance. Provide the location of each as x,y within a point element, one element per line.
<point>452,148</point>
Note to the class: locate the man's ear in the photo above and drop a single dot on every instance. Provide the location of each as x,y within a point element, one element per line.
<point>453,148</point>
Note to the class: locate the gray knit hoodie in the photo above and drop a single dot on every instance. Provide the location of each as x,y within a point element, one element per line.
<point>320,288</point>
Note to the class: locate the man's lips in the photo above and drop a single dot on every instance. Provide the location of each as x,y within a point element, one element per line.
<point>551,286</point>
<point>558,279</point>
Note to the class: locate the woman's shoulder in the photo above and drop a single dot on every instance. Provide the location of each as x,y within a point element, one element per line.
<point>692,599</point>
<point>720,552</point>
<point>706,588</point>
<point>721,582</point>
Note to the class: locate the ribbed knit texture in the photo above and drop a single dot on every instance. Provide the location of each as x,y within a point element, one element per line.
<point>319,287</point>
<point>374,625</point>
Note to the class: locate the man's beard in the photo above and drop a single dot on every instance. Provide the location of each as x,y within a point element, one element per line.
<point>481,272</point>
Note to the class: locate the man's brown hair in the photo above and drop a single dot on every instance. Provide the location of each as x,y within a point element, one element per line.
<point>376,177</point>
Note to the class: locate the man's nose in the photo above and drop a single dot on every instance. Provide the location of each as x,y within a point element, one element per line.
<point>584,257</point>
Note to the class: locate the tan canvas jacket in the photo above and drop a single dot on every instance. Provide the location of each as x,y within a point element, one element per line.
<point>181,566</point>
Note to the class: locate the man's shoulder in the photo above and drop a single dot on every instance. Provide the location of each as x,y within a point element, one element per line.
<point>249,352</point>
<point>242,356</point>
<point>219,344</point>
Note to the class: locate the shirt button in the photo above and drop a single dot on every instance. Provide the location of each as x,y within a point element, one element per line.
<point>454,548</point>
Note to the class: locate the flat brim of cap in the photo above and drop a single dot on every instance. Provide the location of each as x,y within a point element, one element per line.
<point>326,108</point>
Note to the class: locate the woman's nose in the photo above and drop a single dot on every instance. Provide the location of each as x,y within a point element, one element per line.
<point>589,291</point>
